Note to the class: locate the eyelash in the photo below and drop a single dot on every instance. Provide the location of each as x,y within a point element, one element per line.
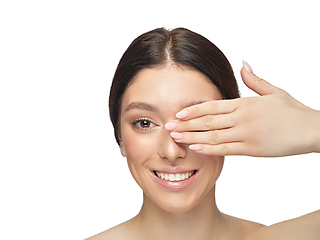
<point>139,120</point>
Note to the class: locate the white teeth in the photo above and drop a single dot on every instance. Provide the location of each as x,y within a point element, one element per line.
<point>174,177</point>
<point>177,177</point>
<point>171,177</point>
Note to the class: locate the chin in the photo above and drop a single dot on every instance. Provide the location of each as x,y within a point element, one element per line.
<point>181,202</point>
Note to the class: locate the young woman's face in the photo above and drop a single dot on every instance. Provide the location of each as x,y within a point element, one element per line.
<point>172,176</point>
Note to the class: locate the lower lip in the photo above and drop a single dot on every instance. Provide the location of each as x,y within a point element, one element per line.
<point>175,185</point>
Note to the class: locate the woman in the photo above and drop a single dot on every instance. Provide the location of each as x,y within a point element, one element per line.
<point>176,112</point>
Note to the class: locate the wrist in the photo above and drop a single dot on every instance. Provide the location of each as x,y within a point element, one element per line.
<point>316,132</point>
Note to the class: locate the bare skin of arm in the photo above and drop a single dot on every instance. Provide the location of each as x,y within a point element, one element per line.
<point>271,125</point>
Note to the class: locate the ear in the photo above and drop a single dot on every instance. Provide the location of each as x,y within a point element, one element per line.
<point>122,148</point>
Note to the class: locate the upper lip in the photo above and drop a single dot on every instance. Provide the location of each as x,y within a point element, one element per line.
<point>176,169</point>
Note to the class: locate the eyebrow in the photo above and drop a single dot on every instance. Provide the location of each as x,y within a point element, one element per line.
<point>152,108</point>
<point>141,105</point>
<point>193,103</point>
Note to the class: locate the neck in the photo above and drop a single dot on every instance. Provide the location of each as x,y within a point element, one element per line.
<point>204,221</point>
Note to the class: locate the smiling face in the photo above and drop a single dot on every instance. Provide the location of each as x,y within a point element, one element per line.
<point>174,177</point>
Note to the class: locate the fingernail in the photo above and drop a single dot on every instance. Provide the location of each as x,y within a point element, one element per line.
<point>195,147</point>
<point>247,67</point>
<point>176,135</point>
<point>170,126</point>
<point>182,114</point>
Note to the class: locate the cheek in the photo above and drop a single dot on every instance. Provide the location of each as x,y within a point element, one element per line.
<point>214,165</point>
<point>138,148</point>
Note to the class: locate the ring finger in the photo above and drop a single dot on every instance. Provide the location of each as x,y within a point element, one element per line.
<point>208,137</point>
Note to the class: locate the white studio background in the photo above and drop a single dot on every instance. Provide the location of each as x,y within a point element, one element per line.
<point>61,172</point>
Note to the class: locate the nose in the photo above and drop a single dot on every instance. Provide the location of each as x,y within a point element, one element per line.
<point>169,149</point>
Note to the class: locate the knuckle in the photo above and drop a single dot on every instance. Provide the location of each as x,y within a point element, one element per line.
<point>213,106</point>
<point>225,149</point>
<point>208,121</point>
<point>259,79</point>
<point>214,138</point>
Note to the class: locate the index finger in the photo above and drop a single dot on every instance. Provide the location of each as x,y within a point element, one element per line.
<point>208,108</point>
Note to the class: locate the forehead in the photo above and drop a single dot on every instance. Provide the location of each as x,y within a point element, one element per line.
<point>169,87</point>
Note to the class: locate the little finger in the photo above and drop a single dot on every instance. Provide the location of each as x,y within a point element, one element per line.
<point>224,149</point>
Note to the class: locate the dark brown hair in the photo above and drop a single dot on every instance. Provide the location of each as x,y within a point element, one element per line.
<point>179,46</point>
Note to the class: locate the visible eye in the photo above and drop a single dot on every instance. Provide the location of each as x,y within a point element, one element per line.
<point>143,124</point>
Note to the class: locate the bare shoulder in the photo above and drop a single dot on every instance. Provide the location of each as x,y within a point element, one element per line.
<point>119,232</point>
<point>241,229</point>
<point>305,227</point>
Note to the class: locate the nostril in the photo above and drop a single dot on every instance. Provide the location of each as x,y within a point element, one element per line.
<point>170,148</point>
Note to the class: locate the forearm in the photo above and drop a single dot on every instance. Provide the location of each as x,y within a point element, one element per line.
<point>317,132</point>
<point>313,131</point>
<point>304,131</point>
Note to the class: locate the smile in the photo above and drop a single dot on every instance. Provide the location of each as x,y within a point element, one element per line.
<point>174,177</point>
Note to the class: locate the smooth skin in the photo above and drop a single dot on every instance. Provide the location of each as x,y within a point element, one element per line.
<point>180,214</point>
<point>246,126</point>
<point>271,125</point>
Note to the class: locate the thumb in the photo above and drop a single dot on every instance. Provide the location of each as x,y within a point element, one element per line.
<point>255,83</point>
